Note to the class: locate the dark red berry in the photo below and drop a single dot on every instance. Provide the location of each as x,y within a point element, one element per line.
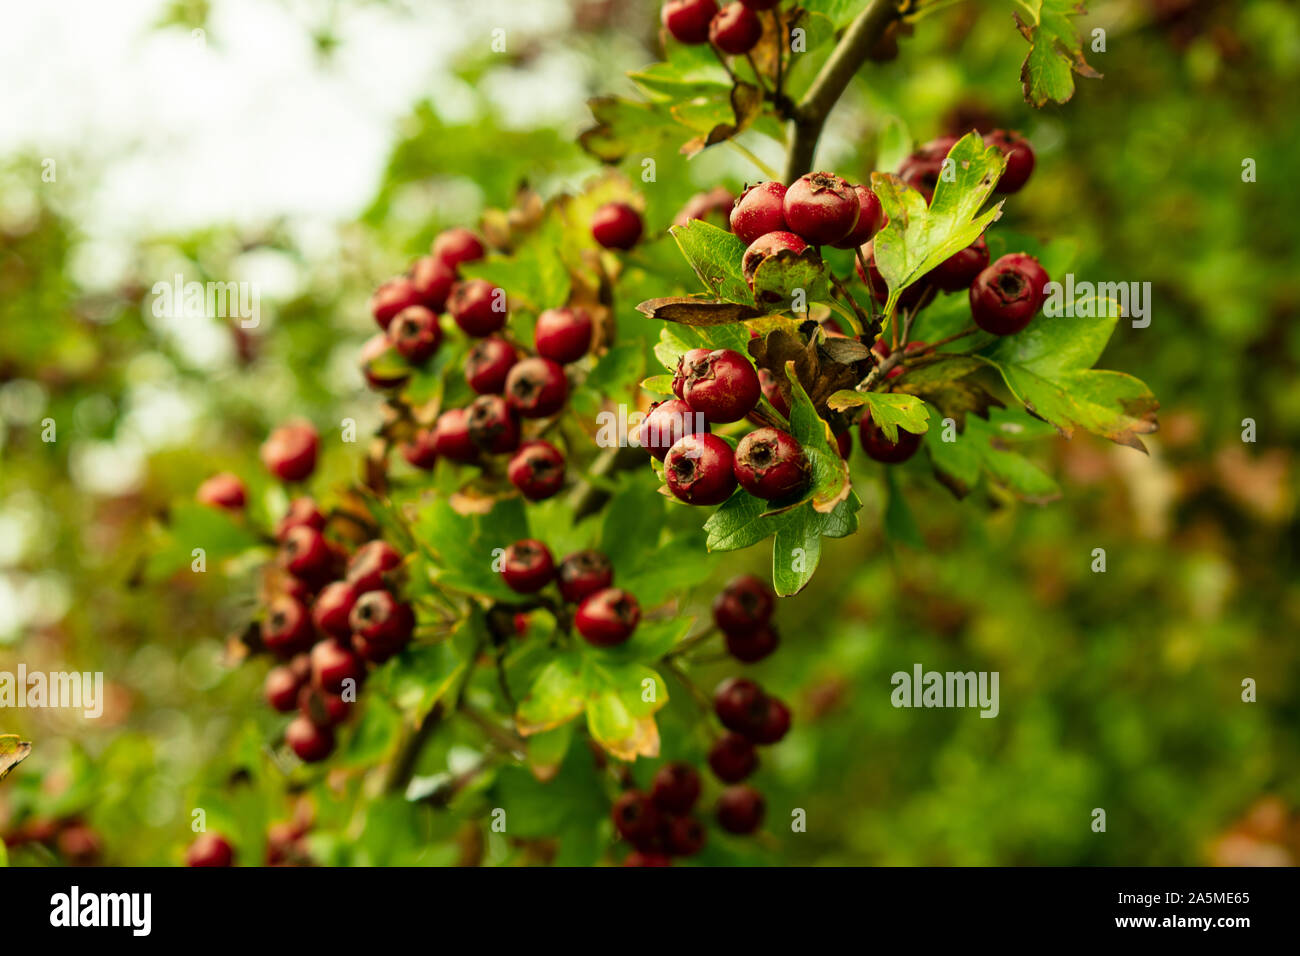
<point>959,270</point>
<point>281,688</point>
<point>563,335</point>
<point>1006,296</point>
<point>454,247</point>
<point>821,207</point>
<point>743,606</point>
<point>323,708</point>
<point>871,219</point>
<point>370,563</point>
<point>699,470</point>
<point>422,450</point>
<point>392,297</point>
<point>537,470</point>
<point>479,307</point>
<point>451,436</point>
<point>688,20</point>
<point>766,247</point>
<point>683,836</point>
<point>732,758</point>
<point>492,425</point>
<point>675,788</point>
<point>922,169</point>
<point>302,511</point>
<point>684,366</point>
<point>754,646</point>
<point>648,858</point>
<point>770,464</point>
<point>333,663</point>
<point>432,280</point>
<point>723,386</point>
<point>536,388</point>
<point>287,627</point>
<point>415,333</point>
<point>223,491</point>
<point>636,818</point>
<point>775,723</point>
<point>305,553</point>
<point>665,423</point>
<point>758,212</point>
<point>381,625</point>
<point>310,742</point>
<point>740,809</point>
<point>879,448</point>
<point>290,451</point>
<point>760,4</point>
<point>844,443</point>
<point>381,364</point>
<point>332,607</point>
<point>607,617</point>
<point>616,225</point>
<point>1019,156</point>
<point>488,364</point>
<point>210,849</point>
<point>773,392</point>
<point>583,573</point>
<point>735,29</point>
<point>741,705</point>
<point>527,566</point>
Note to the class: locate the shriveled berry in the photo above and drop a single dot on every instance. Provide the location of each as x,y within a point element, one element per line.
<point>536,388</point>
<point>290,451</point>
<point>311,743</point>
<point>880,448</point>
<point>636,818</point>
<point>333,606</point>
<point>699,470</point>
<point>775,723</point>
<point>583,573</point>
<point>821,207</point>
<point>959,270</point>
<point>1006,296</point>
<point>527,566</point>
<point>1019,156</point>
<point>754,646</point>
<point>665,423</point>
<point>741,705</point>
<point>684,366</point>
<point>759,211</point>
<point>287,627</point>
<point>451,437</point>
<point>333,663</point>
<point>740,809</point>
<point>723,386</point>
<point>415,333</point>
<point>210,849</point>
<point>766,247</point>
<point>492,425</point>
<point>563,335</point>
<point>770,464</point>
<point>224,490</point>
<point>422,450</point>
<point>432,279</point>
<point>370,563</point>
<point>479,307</point>
<point>675,788</point>
<point>488,364</point>
<point>744,605</point>
<point>735,29</point>
<point>683,836</point>
<point>455,247</point>
<point>616,225</point>
<point>537,470</point>
<point>732,758</point>
<point>871,219</point>
<point>382,364</point>
<point>392,297</point>
<point>302,511</point>
<point>607,617</point>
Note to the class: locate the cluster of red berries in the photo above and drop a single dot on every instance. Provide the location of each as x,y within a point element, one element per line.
<point>604,615</point>
<point>660,825</point>
<point>75,841</point>
<point>734,29</point>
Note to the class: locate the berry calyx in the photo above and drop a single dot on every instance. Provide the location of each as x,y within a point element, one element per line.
<point>616,225</point>
<point>488,364</point>
<point>879,448</point>
<point>758,211</point>
<point>767,246</point>
<point>305,553</point>
<point>289,453</point>
<point>492,425</point>
<point>735,29</point>
<point>415,333</point>
<point>635,817</point>
<point>333,664</point>
<point>432,280</point>
<point>732,758</point>
<point>527,566</point>
<point>537,470</point>
<point>666,423</point>
<point>311,743</point>
<point>563,335</point>
<point>391,298</point>
<point>536,388</point>
<point>741,705</point>
<point>381,626</point>
<point>699,470</point>
<point>333,605</point>
<point>1019,156</point>
<point>1006,296</point>
<point>422,450</point>
<point>821,207</point>
<point>959,270</point>
<point>744,605</point>
<point>752,647</point>
<point>302,511</point>
<point>287,627</point>
<point>224,490</point>
<point>688,20</point>
<point>675,788</point>
<point>369,564</point>
<point>479,307</point>
<point>451,437</point>
<point>210,849</point>
<point>723,386</point>
<point>607,617</point>
<point>455,247</point>
<point>684,366</point>
<point>871,219</point>
<point>770,464</point>
<point>583,573</point>
<point>740,809</point>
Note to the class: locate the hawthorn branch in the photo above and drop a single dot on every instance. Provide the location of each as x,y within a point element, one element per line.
<point>810,115</point>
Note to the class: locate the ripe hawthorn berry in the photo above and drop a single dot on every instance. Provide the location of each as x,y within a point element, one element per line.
<point>683,836</point>
<point>488,364</point>
<point>688,20</point>
<point>582,574</point>
<point>684,366</point>
<point>675,788</point>
<point>741,705</point>
<point>333,605</point>
<point>455,247</point>
<point>1019,156</point>
<point>636,818</point>
<point>563,335</point>
<point>311,743</point>
<point>527,566</point>
<point>380,364</point>
<point>922,169</point>
<point>844,444</point>
<point>732,758</point>
<point>210,849</point>
<point>333,663</point>
<point>289,453</point>
<point>370,563</point>
<point>665,423</point>
<point>536,388</point>
<point>478,307</point>
<point>771,464</point>
<point>959,270</point>
<point>607,617</point>
<point>616,225</point>
<point>743,606</point>
<point>775,723</point>
<point>381,625</point>
<point>422,450</point>
<point>758,211</point>
<point>537,470</point>
<point>281,688</point>
<point>391,298</point>
<point>647,858</point>
<point>699,470</point>
<point>753,646</point>
<point>305,553</point>
<point>821,207</point>
<point>432,280</point>
<point>287,627</point>
<point>879,448</point>
<point>415,333</point>
<point>492,425</point>
<point>1006,296</point>
<point>302,511</point>
<point>760,4</point>
<point>740,809</point>
<point>772,391</point>
<point>766,247</point>
<point>735,29</point>
<point>321,707</point>
<point>224,490</point>
<point>451,438</point>
<point>871,219</point>
<point>723,386</point>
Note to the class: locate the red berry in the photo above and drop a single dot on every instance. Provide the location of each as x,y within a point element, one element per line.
<point>879,448</point>
<point>583,573</point>
<point>741,705</point>
<point>333,663</point>
<point>754,646</point>
<point>79,845</point>
<point>488,364</point>
<point>844,443</point>
<point>281,688</point>
<point>665,423</point>
<point>310,742</point>
<point>492,425</point>
<point>380,365</point>
<point>1019,156</point>
<point>744,605</point>
<point>959,270</point>
<point>760,4</point>
<point>735,29</point>
<point>772,391</point>
<point>723,386</point>
<point>302,511</point>
<point>537,470</point>
<point>290,451</point>
<point>607,617</point>
<point>287,627</point>
<point>563,335</point>
<point>651,858</point>
<point>210,849</point>
<point>223,490</point>
<point>332,607</point>
<point>775,723</point>
<point>370,563</point>
<point>527,566</point>
<point>758,211</point>
<point>821,207</point>
<point>322,708</point>
<point>451,436</point>
<point>616,225</point>
<point>740,809</point>
<point>635,818</point>
<point>683,836</point>
<point>392,297</point>
<point>455,247</point>
<point>684,366</point>
<point>536,388</point>
<point>922,169</point>
<point>675,788</point>
<point>381,625</point>
<point>770,464</point>
<point>416,334</point>
<point>479,307</point>
<point>871,219</point>
<point>422,450</point>
<point>432,281</point>
<point>732,758</point>
<point>305,553</point>
<point>1006,296</point>
<point>767,246</point>
<point>688,20</point>
<point>699,470</point>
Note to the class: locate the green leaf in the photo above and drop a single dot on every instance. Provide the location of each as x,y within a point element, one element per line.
<point>190,525</point>
<point>830,472</point>
<point>889,410</point>
<point>900,524</point>
<point>1055,50</point>
<point>546,751</point>
<point>715,255</point>
<point>984,449</point>
<point>463,546</point>
<point>658,384</point>
<point>558,694</point>
<point>676,340</point>
<point>624,126</point>
<point>796,551</point>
